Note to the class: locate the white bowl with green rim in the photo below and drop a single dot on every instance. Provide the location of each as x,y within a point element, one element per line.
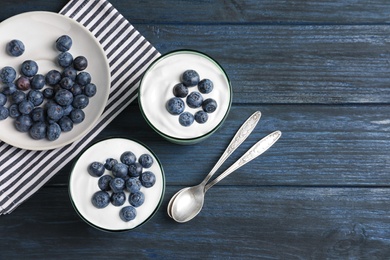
<point>82,186</point>
<point>156,88</point>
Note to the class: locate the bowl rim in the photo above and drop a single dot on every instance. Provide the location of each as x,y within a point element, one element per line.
<point>192,139</point>
<point>162,192</point>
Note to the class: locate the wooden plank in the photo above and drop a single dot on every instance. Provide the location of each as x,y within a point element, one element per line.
<point>320,146</point>
<point>222,11</point>
<point>290,64</point>
<point>236,222</point>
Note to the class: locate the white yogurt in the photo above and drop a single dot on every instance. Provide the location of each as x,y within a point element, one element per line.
<point>157,86</point>
<point>82,186</point>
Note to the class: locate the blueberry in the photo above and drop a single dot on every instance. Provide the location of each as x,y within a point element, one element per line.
<point>81,101</point>
<point>23,83</point>
<point>67,110</point>
<point>117,184</point>
<point>190,78</point>
<point>66,124</point>
<point>38,114</point>
<point>14,110</point>
<point>53,132</point>
<point>133,185</point>
<point>148,179</point>
<point>66,83</point>
<point>48,93</point>
<point>15,48</point>
<point>120,170</point>
<point>23,123</point>
<point>3,99</point>
<point>7,74</point>
<point>77,115</point>
<point>128,213</point>
<point>4,112</point>
<point>63,97</point>
<point>205,86</point>
<point>76,89</point>
<point>110,162</point>
<point>179,90</point>
<point>100,199</point>
<point>104,182</point>
<point>136,199</point>
<point>209,105</point>
<point>90,90</point>
<point>201,117</point>
<point>175,106</point>
<point>135,169</point>
<point>186,119</point>
<point>18,96</point>
<point>55,112</point>
<point>25,107</point>
<point>96,169</point>
<point>64,43</point>
<point>83,78</point>
<point>53,77</point>
<point>65,59</point>
<point>38,81</point>
<point>70,72</point>
<point>128,158</point>
<point>38,130</point>
<point>80,63</point>
<point>9,88</point>
<point>118,199</point>
<point>36,97</point>
<point>194,100</point>
<point>29,68</point>
<point>146,160</point>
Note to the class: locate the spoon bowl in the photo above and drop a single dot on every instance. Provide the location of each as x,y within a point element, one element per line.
<point>188,202</point>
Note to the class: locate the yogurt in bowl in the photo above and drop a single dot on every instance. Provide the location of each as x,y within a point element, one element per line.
<point>82,186</point>
<point>156,88</point>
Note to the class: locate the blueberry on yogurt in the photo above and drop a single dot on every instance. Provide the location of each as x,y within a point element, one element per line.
<point>118,198</point>
<point>100,199</point>
<point>209,105</point>
<point>135,169</point>
<point>109,164</point>
<point>148,179</point>
<point>190,78</point>
<point>3,99</point>
<point>23,123</point>
<point>179,90</point>
<point>194,100</point>
<point>136,199</point>
<point>175,106</point>
<point>120,170</point>
<point>23,83</point>
<point>53,131</point>
<point>80,63</point>
<point>96,169</point>
<point>38,130</point>
<point>133,185</point>
<point>117,185</point>
<point>205,86</point>
<point>201,117</point>
<point>128,213</point>
<point>128,158</point>
<point>186,119</point>
<point>146,160</point>
<point>104,182</point>
<point>65,59</point>
<point>37,82</point>
<point>15,48</point>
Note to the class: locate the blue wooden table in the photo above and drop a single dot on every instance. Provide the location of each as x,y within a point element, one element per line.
<point>318,71</point>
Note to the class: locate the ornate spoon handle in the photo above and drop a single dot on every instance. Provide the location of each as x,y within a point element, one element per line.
<point>256,150</point>
<point>242,133</point>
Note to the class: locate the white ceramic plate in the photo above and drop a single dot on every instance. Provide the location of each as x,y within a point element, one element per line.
<point>82,186</point>
<point>39,31</point>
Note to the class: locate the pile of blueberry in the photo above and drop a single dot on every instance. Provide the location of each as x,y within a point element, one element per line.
<point>176,105</point>
<point>126,176</point>
<point>46,105</point>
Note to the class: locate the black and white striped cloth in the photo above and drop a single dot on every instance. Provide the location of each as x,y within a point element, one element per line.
<point>23,172</point>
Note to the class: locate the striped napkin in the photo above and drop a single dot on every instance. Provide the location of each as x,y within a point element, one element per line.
<point>23,172</point>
